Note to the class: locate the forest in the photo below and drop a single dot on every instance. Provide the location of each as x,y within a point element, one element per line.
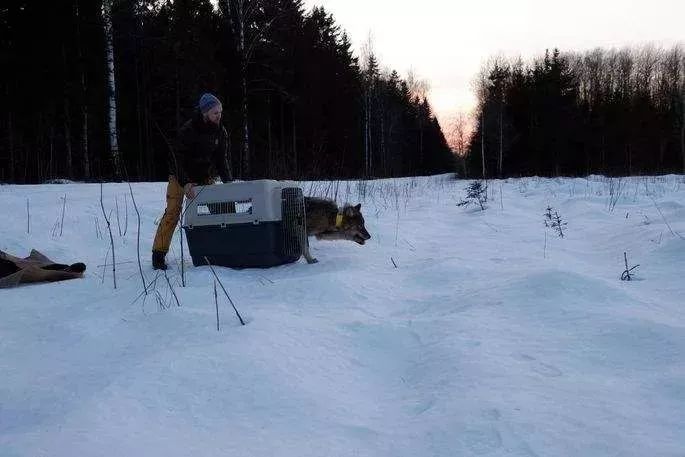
<point>94,90</point>
<point>604,111</point>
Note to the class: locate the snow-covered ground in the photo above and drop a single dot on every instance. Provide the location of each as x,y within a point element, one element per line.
<point>491,335</point>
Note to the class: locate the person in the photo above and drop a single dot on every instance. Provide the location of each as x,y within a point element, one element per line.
<point>201,154</point>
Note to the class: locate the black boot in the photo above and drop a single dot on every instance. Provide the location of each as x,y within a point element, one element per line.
<point>73,268</point>
<point>79,267</point>
<point>158,262</point>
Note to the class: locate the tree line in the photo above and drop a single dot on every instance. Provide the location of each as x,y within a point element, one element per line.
<point>612,112</point>
<point>98,89</point>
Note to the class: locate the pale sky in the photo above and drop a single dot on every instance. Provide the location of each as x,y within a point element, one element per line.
<point>446,42</point>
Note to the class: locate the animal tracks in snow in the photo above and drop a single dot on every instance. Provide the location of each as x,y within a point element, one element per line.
<point>544,369</point>
<point>547,370</point>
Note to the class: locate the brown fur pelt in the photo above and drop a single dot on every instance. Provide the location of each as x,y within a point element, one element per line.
<point>35,268</point>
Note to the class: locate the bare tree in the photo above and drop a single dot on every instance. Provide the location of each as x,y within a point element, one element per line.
<point>594,73</point>
<point>241,6</point>
<point>497,80</point>
<point>10,138</point>
<point>67,118</point>
<point>418,88</point>
<point>112,103</point>
<point>482,140</point>
<point>480,87</point>
<point>647,59</point>
<point>458,132</point>
<point>369,68</point>
<point>84,95</point>
<point>458,136</point>
<point>240,15</point>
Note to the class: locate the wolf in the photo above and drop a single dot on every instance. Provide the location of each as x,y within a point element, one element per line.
<point>325,221</point>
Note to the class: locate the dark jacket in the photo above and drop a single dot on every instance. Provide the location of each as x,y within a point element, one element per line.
<point>202,152</point>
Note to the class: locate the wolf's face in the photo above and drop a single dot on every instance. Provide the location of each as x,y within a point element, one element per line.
<point>353,225</point>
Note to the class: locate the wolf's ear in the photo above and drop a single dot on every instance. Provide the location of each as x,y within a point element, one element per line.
<point>358,207</point>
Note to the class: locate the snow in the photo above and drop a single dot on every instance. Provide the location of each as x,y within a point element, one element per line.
<point>491,336</point>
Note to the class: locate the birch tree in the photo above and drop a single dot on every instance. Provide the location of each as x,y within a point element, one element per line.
<point>481,89</point>
<point>111,83</point>
<point>239,13</point>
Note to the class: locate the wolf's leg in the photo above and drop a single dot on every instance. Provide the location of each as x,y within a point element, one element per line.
<point>304,245</point>
<point>304,235</point>
<point>308,256</point>
<point>304,242</point>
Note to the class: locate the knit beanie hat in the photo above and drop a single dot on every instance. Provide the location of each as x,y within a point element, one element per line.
<point>207,102</point>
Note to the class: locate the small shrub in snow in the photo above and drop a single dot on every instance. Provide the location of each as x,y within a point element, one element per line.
<point>626,276</point>
<point>554,221</point>
<point>476,192</point>
<point>616,188</point>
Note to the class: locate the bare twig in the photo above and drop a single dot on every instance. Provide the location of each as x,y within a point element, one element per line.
<point>120,263</point>
<point>216,304</point>
<point>665,221</point>
<point>105,266</point>
<point>126,214</point>
<point>140,266</point>
<point>180,222</point>
<point>111,239</point>
<point>224,289</point>
<point>64,205</point>
<point>116,205</point>
<point>160,300</point>
<point>615,191</point>
<point>171,288</point>
<point>625,276</point>
<point>149,287</point>
<point>55,228</point>
<point>393,262</point>
<point>28,217</point>
<point>98,235</point>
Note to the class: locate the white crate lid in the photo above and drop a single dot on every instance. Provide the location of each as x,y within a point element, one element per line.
<point>254,201</point>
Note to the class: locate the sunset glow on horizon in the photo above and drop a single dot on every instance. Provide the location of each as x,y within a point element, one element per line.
<point>446,43</point>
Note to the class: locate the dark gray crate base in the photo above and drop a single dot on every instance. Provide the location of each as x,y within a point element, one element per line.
<point>239,245</point>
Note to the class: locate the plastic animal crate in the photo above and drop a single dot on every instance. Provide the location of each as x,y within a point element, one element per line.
<point>246,224</point>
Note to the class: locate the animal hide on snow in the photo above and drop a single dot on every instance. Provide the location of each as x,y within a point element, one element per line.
<point>35,268</point>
